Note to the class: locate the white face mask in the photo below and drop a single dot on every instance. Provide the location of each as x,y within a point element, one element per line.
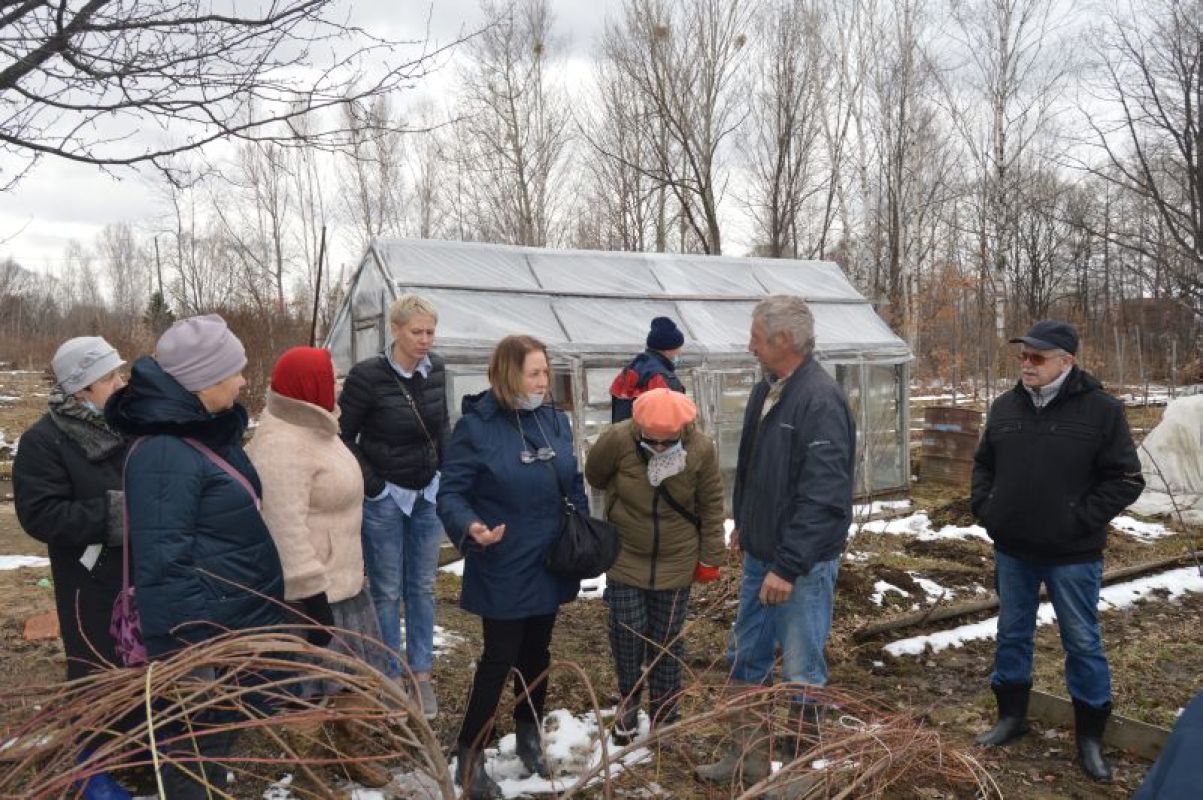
<point>530,402</point>
<point>664,464</point>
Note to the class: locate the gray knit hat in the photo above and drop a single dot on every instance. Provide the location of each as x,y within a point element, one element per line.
<point>200,352</point>
<point>80,362</point>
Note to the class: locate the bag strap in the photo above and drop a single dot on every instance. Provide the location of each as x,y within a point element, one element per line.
<point>125,516</point>
<point>665,495</point>
<point>225,467</point>
<point>413,405</point>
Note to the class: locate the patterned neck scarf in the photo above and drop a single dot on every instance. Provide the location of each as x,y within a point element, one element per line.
<point>84,425</point>
<point>662,466</point>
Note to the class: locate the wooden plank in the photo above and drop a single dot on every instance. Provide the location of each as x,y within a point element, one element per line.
<point>1122,733</point>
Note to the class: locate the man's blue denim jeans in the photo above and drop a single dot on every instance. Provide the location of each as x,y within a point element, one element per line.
<point>1074,592</point>
<point>800,625</point>
<point>401,554</point>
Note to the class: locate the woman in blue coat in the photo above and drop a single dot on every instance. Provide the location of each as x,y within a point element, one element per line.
<point>204,562</point>
<point>500,504</point>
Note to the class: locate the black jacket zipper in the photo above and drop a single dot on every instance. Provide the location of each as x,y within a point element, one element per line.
<point>655,536</point>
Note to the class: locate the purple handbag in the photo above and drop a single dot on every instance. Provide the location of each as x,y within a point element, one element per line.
<point>125,626</point>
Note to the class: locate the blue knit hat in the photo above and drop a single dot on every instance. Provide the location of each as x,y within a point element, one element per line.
<point>664,335</point>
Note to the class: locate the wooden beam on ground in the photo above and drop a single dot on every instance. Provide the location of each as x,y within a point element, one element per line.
<point>939,614</point>
<point>1122,733</point>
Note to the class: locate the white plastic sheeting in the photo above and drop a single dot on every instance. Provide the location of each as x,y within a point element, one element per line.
<point>582,302</point>
<point>1171,457</point>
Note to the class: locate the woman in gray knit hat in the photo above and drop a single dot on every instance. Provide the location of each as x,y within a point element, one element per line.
<point>67,487</point>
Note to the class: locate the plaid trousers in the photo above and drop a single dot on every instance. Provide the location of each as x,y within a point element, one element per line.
<point>645,628</point>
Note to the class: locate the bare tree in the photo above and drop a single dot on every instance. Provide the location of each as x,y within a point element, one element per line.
<point>684,58</point>
<point>515,124</point>
<point>92,81</point>
<point>785,122</point>
<point>373,179</point>
<point>1151,60</point>
<point>125,264</point>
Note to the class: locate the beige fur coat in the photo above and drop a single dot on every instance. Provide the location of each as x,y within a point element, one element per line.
<point>312,498</point>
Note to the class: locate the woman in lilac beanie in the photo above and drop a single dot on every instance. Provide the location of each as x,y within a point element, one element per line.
<point>203,560</point>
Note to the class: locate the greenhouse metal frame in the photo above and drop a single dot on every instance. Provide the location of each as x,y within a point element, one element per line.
<point>592,310</point>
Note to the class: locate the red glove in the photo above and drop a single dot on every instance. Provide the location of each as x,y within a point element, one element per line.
<point>704,573</point>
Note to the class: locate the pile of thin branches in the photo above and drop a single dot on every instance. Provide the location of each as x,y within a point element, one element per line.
<point>130,720</point>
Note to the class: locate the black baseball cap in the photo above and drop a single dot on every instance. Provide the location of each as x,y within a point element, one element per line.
<point>1050,334</point>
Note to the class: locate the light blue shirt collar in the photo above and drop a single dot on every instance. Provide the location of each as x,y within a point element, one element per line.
<point>422,367</point>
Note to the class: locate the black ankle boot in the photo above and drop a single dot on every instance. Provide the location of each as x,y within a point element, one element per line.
<point>471,776</point>
<point>530,749</point>
<point>626,724</point>
<point>1012,714</point>
<point>1089,724</point>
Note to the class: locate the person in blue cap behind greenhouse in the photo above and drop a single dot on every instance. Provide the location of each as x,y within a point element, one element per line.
<point>654,368</point>
<point>1055,465</point>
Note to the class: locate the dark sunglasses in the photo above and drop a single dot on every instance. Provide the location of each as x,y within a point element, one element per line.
<point>1036,359</point>
<point>659,442</point>
<point>541,454</point>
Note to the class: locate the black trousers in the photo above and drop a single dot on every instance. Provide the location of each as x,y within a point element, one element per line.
<point>519,644</point>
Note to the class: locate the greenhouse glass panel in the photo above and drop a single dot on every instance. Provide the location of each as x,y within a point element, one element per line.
<point>886,454</point>
<point>370,295</point>
<point>853,326</point>
<point>718,325</point>
<point>848,376</point>
<point>456,264</point>
<point>587,273</point>
<point>461,382</point>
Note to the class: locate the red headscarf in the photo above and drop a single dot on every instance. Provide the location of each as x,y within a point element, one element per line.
<point>305,373</point>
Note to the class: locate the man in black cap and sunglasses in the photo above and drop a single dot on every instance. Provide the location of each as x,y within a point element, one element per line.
<point>1055,465</point>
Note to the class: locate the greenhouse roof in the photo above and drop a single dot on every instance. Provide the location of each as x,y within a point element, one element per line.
<point>594,301</point>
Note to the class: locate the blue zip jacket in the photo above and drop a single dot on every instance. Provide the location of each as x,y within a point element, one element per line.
<point>199,547</point>
<point>793,483</point>
<point>485,480</point>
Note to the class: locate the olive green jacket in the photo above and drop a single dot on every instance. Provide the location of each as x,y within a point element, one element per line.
<point>660,547</point>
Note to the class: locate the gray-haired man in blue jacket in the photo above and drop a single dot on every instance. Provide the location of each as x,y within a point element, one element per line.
<point>793,506</point>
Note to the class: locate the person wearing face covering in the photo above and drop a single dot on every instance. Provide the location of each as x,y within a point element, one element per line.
<point>67,492</point>
<point>664,492</point>
<point>499,500</point>
<point>204,562</point>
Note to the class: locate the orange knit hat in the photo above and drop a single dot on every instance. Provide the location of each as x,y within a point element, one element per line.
<point>662,413</point>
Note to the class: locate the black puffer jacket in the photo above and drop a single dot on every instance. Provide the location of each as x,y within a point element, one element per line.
<point>378,423</point>
<point>62,499</point>
<point>1047,483</point>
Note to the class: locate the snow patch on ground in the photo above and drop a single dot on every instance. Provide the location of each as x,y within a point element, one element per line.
<point>881,588</point>
<point>1174,583</point>
<point>879,506</point>
<point>919,526</point>
<point>16,562</point>
<point>591,588</point>
<point>1141,530</point>
<point>933,590</point>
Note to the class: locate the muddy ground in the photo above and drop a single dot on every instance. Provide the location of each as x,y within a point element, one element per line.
<point>1155,650</point>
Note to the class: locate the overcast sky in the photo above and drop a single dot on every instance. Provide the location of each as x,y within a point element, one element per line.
<point>60,200</point>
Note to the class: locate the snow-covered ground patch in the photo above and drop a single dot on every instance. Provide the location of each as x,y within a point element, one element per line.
<point>16,562</point>
<point>919,526</point>
<point>1121,595</point>
<point>879,506</point>
<point>933,590</point>
<point>1141,530</point>
<point>591,588</point>
<point>454,568</point>
<point>8,398</point>
<point>881,588</point>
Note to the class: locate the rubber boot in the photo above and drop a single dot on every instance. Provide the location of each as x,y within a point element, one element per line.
<point>1089,724</point>
<point>746,756</point>
<point>305,740</point>
<point>803,730</point>
<point>530,748</point>
<point>626,723</point>
<point>471,776</point>
<point>351,738</point>
<point>1012,714</point>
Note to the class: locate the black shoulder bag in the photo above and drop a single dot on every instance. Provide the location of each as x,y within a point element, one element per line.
<point>586,547</point>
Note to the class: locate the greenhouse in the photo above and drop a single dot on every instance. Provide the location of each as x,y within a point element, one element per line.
<point>592,309</point>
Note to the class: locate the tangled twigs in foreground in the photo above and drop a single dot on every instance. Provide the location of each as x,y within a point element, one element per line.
<point>57,735</point>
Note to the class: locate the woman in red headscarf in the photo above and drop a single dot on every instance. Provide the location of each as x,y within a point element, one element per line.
<point>313,506</point>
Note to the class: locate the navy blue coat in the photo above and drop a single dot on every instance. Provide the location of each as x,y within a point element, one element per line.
<point>793,481</point>
<point>187,517</point>
<point>484,480</point>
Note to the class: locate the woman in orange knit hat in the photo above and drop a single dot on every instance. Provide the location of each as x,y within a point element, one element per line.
<point>665,494</point>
